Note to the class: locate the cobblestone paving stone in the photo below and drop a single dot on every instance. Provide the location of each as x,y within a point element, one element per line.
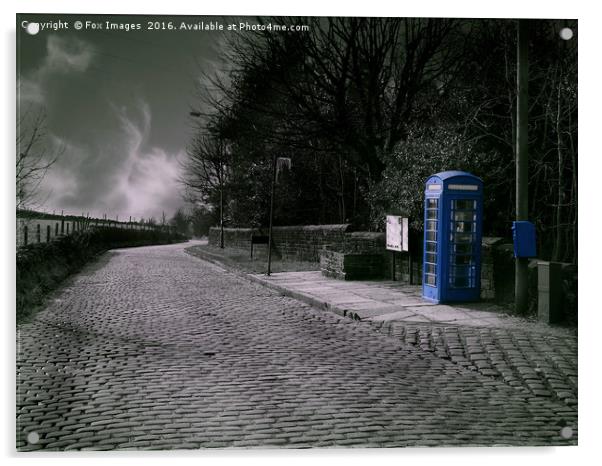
<point>540,364</point>
<point>156,349</point>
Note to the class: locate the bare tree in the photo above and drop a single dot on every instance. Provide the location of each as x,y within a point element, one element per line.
<point>356,81</point>
<point>33,157</point>
<point>347,89</point>
<point>205,170</point>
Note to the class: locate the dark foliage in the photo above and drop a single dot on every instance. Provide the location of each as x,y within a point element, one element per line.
<point>202,219</point>
<point>368,108</point>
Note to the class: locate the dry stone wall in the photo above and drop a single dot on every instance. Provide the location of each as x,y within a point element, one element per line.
<point>343,253</point>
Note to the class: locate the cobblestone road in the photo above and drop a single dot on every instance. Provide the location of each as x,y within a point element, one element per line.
<point>542,364</point>
<point>152,348</point>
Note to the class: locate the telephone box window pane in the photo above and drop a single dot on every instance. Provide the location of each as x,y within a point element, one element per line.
<point>462,277</point>
<point>431,280</point>
<point>462,248</point>
<point>459,282</point>
<point>431,236</point>
<point>432,203</point>
<point>465,216</point>
<point>464,226</point>
<point>432,258</point>
<point>431,225</point>
<point>464,204</point>
<point>431,247</point>
<point>462,260</point>
<point>461,237</point>
<point>431,214</point>
<point>430,268</point>
<point>460,271</point>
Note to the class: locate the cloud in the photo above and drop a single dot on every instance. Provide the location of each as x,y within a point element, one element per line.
<point>63,186</point>
<point>30,91</point>
<point>105,163</point>
<point>127,178</point>
<point>147,182</point>
<point>111,162</point>
<point>63,56</point>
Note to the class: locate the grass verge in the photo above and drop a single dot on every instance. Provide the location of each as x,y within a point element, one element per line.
<point>241,260</point>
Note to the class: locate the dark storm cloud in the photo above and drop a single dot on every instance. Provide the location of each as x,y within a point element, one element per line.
<point>116,107</point>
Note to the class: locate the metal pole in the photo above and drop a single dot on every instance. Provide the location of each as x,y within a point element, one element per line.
<point>271,215</point>
<point>521,288</point>
<point>221,208</point>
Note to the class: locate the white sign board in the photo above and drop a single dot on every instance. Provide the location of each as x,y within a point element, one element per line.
<point>397,233</point>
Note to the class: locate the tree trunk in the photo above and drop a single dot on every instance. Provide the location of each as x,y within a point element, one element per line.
<point>343,212</point>
<point>556,256</point>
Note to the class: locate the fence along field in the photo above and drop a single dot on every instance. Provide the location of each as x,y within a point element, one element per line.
<point>39,227</point>
<point>53,247</point>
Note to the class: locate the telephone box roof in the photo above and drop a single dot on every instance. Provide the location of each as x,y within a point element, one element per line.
<point>455,173</point>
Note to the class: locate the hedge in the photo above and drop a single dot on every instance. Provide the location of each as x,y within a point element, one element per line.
<point>42,267</point>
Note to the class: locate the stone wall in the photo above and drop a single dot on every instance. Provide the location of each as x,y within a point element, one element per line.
<point>305,243</point>
<point>351,266</point>
<point>299,243</point>
<point>332,264</point>
<point>364,242</point>
<point>488,266</point>
<point>355,255</point>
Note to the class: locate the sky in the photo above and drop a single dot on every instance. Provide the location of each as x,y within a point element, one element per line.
<point>116,106</point>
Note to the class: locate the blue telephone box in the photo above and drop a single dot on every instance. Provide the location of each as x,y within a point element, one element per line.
<point>453,210</point>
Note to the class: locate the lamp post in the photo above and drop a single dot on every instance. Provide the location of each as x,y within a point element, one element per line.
<point>277,162</point>
<point>221,206</point>
<point>521,268</point>
<point>271,215</point>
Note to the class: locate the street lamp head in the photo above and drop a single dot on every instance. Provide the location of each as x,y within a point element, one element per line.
<point>281,164</point>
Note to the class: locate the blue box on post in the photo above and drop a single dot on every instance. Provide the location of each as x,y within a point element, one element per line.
<point>523,236</point>
<point>453,211</point>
